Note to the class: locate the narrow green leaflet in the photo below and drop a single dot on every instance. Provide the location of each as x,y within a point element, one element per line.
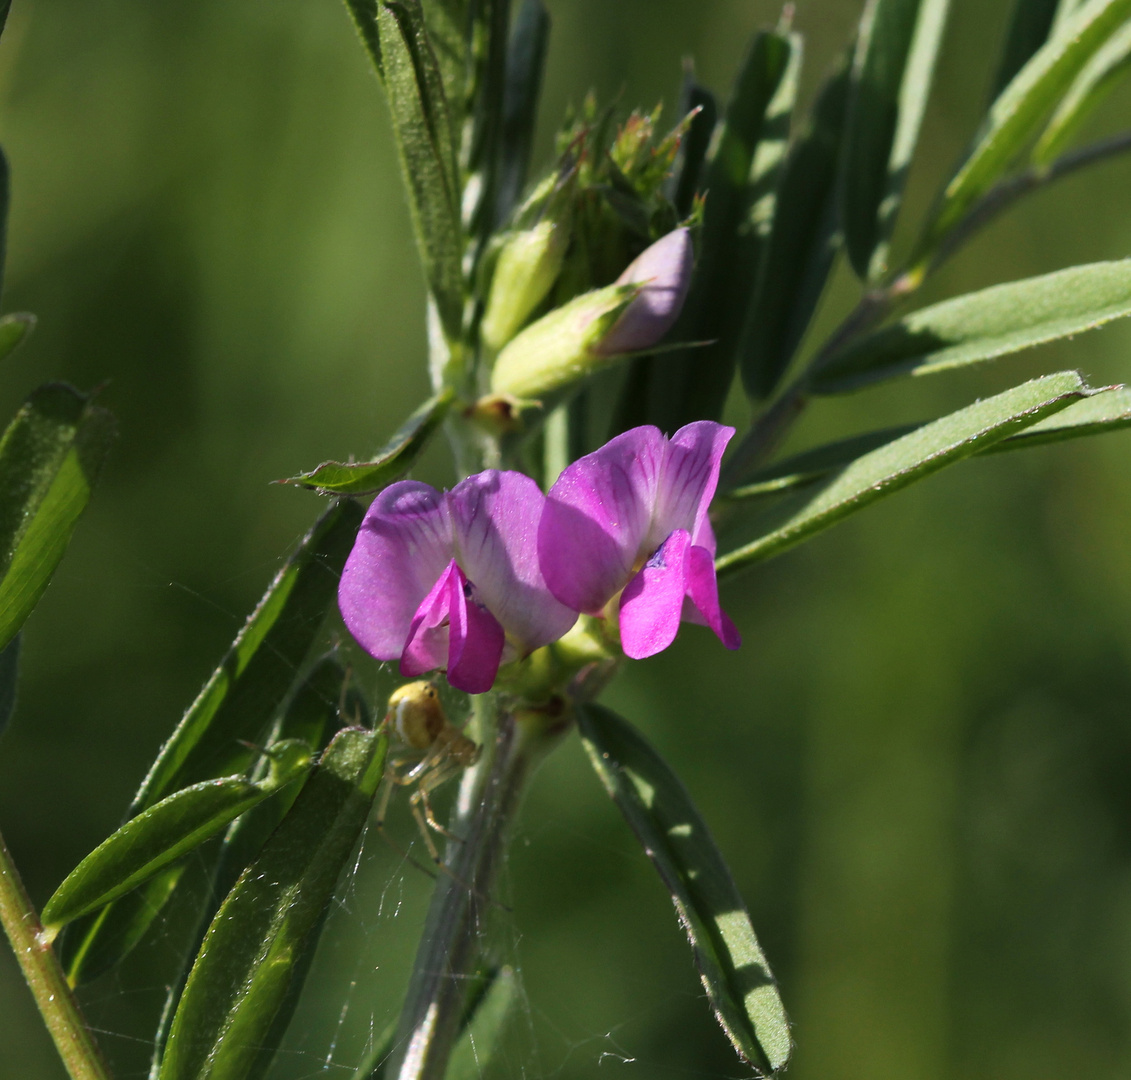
<point>446,24</point>
<point>526,62</point>
<point>426,140</point>
<point>801,248</point>
<point>688,168</point>
<point>237,703</point>
<point>897,464</point>
<point>94,944</point>
<point>658,809</point>
<point>997,321</point>
<point>50,457</point>
<point>1020,109</point>
<point>156,837</point>
<point>9,676</point>
<point>253,679</point>
<point>312,716</point>
<point>693,384</point>
<point>1029,28</point>
<point>13,329</point>
<point>390,463</point>
<point>364,14</point>
<point>234,1007</point>
<point>1105,410</point>
<point>890,81</point>
<point>483,1028</point>
<point>1109,67</point>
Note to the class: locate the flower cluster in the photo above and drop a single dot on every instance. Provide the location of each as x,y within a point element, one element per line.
<point>469,579</point>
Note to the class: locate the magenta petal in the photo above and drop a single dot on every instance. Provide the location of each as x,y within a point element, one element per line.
<point>703,592</point>
<point>652,602</point>
<point>427,644</point>
<point>495,519</point>
<point>402,548</point>
<point>476,642</point>
<point>688,480</point>
<point>596,519</point>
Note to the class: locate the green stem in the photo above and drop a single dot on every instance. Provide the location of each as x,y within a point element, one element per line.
<point>41,968</point>
<point>451,945</point>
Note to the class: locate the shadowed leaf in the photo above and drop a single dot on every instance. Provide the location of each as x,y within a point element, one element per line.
<point>658,809</point>
<point>889,85</point>
<point>50,457</point>
<point>236,1003</point>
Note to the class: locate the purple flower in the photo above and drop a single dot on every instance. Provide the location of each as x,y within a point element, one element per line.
<point>451,579</point>
<point>633,516</point>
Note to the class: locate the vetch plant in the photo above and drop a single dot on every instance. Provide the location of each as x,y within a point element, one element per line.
<point>590,332</point>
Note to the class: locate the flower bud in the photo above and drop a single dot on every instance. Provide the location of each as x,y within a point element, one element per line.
<point>576,339</point>
<point>560,347</point>
<point>664,269</point>
<point>527,267</point>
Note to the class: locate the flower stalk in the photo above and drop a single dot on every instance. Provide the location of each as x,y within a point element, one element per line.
<point>451,946</point>
<point>44,974</point>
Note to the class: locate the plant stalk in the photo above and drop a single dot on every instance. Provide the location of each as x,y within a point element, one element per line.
<point>451,944</point>
<point>53,996</point>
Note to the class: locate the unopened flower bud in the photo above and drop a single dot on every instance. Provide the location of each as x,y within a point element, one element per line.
<point>664,269</point>
<point>560,347</point>
<point>527,267</point>
<point>580,337</point>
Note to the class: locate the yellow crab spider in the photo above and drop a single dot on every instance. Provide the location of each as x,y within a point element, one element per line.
<point>415,720</point>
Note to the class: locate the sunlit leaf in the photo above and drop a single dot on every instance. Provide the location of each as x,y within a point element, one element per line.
<point>426,139</point>
<point>889,84</point>
<point>9,677</point>
<point>1109,67</point>
<point>994,322</point>
<point>390,463</point>
<point>160,835</point>
<point>1105,410</point>
<point>50,456</point>
<point>1021,108</point>
<point>802,244</point>
<point>896,464</point>
<point>236,1003</point>
<point>235,706</point>
<point>657,807</point>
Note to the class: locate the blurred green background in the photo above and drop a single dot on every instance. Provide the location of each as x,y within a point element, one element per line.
<point>919,764</point>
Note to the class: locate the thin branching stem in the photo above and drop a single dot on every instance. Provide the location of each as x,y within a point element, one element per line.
<point>53,997</point>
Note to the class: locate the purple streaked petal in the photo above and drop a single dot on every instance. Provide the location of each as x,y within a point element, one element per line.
<point>476,641</point>
<point>688,480</point>
<point>664,269</point>
<point>652,602</point>
<point>495,519</point>
<point>597,517</point>
<point>703,592</point>
<point>402,548</point>
<point>428,640</point>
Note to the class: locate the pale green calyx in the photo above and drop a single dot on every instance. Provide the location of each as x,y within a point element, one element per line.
<point>561,347</point>
<point>527,267</point>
